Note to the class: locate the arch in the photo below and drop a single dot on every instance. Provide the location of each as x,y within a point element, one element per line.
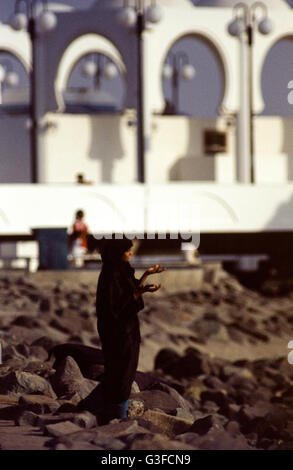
<point>215,47</point>
<point>79,47</point>
<point>223,207</point>
<point>16,43</point>
<point>16,56</point>
<point>283,107</point>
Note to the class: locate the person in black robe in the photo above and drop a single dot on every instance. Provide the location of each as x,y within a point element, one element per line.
<point>118,301</point>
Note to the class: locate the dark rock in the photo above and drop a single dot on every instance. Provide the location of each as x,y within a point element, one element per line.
<point>45,342</point>
<point>232,427</point>
<point>203,425</point>
<point>192,364</point>
<point>166,360</point>
<point>45,305</point>
<point>25,418</point>
<point>84,356</point>
<point>26,321</point>
<point>216,396</point>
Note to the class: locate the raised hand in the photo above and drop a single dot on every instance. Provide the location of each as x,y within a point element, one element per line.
<point>157,268</point>
<point>152,287</point>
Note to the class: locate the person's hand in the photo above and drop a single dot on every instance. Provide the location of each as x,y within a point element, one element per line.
<point>147,288</point>
<point>157,268</point>
<point>152,287</point>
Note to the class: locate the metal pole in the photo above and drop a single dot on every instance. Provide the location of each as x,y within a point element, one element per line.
<point>33,102</point>
<point>251,120</point>
<point>175,84</point>
<point>140,97</point>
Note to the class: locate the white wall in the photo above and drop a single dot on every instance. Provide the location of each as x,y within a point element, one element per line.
<point>103,147</point>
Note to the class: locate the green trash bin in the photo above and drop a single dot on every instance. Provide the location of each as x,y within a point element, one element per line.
<point>53,248</point>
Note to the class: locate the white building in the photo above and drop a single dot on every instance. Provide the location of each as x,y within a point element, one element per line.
<point>184,168</point>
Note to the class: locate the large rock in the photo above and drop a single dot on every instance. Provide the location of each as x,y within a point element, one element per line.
<point>39,404</point>
<point>169,425</point>
<point>156,399</point>
<point>61,429</point>
<point>159,442</point>
<point>69,380</point>
<point>216,439</point>
<point>180,401</point>
<point>19,382</point>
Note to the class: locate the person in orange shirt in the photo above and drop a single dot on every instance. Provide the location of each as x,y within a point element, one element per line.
<point>78,237</point>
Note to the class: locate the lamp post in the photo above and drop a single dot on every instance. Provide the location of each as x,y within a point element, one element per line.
<point>35,20</point>
<point>177,66</point>
<point>137,17</point>
<point>244,24</point>
<point>98,66</point>
<point>7,77</point>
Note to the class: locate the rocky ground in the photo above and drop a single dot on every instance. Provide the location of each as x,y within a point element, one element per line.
<point>213,370</point>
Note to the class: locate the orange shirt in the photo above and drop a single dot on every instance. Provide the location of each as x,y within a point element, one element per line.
<point>80,226</point>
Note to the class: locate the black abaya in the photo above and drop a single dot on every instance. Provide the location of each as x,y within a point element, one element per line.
<point>118,327</point>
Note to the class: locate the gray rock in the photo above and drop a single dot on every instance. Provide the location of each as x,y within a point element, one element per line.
<point>85,420</point>
<point>107,442</point>
<point>158,442</point>
<point>181,402</point>
<point>23,382</point>
<point>26,418</point>
<point>61,429</point>
<point>169,425</point>
<point>120,428</point>
<point>182,413</point>
<point>156,399</point>
<point>68,380</point>
<point>39,404</point>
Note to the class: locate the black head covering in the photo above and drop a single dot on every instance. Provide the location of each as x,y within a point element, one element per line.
<point>112,250</point>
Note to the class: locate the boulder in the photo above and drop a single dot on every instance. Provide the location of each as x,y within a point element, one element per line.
<point>85,420</point>
<point>61,429</point>
<point>19,382</point>
<point>39,404</point>
<point>169,425</point>
<point>158,442</point>
<point>156,399</point>
<point>68,380</point>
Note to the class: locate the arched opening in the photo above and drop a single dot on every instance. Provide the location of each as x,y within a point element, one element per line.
<point>277,92</point>
<point>14,83</point>
<point>95,85</point>
<point>198,94</point>
<point>14,107</point>
<point>277,72</point>
<point>69,74</point>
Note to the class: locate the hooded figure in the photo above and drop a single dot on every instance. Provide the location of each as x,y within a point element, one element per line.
<point>118,326</point>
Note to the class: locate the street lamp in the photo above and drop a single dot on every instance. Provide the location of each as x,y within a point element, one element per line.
<point>177,66</point>
<point>244,24</point>
<point>35,20</point>
<point>8,77</point>
<point>98,66</point>
<point>137,17</point>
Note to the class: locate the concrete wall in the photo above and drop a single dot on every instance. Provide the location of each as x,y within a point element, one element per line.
<point>103,147</point>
